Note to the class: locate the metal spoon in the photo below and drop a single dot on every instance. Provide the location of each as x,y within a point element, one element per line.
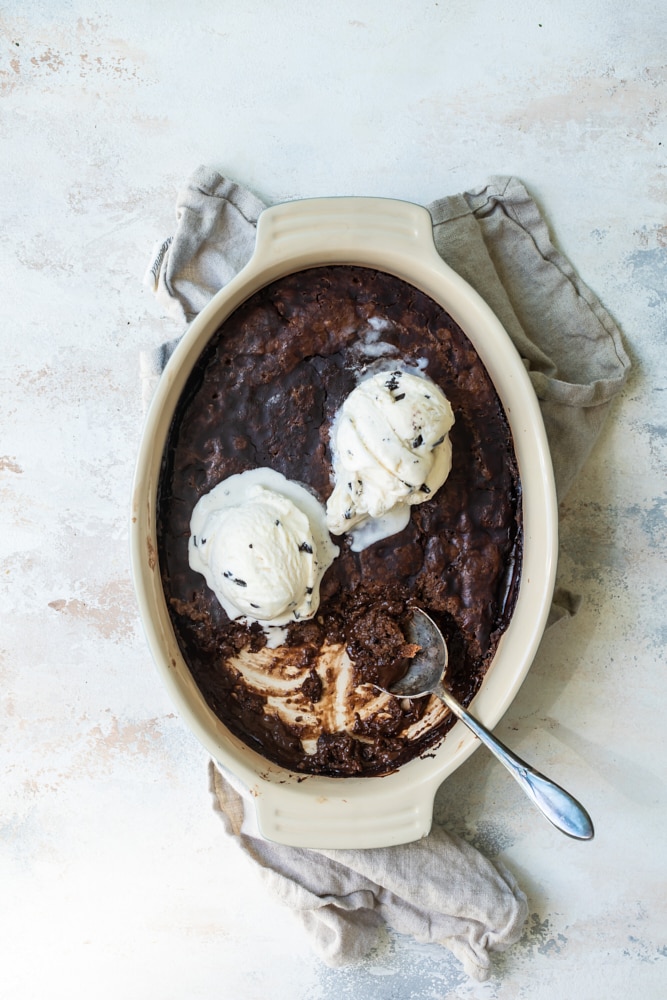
<point>425,677</point>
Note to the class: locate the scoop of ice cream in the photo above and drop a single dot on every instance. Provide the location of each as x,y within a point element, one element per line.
<point>391,449</point>
<point>261,542</point>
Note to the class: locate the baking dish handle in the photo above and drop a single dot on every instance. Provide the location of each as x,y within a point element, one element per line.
<point>355,820</point>
<point>342,231</point>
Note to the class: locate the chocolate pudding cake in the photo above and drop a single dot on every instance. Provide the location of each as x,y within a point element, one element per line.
<point>265,393</point>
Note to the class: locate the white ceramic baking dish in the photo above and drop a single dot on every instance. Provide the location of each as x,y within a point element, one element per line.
<point>395,237</point>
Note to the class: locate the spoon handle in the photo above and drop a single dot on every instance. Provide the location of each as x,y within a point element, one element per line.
<point>559,807</point>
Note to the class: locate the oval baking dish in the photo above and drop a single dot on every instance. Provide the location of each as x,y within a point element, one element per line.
<point>395,237</point>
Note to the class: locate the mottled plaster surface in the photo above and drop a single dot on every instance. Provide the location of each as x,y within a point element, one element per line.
<point>115,879</point>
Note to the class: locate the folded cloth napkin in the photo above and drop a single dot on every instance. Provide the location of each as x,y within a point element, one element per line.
<point>439,889</point>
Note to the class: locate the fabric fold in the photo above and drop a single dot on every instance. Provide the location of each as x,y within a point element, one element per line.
<point>438,890</point>
<point>214,239</point>
<point>496,238</point>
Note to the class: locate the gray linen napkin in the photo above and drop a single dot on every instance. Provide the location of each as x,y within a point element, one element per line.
<point>438,889</point>
<point>496,238</point>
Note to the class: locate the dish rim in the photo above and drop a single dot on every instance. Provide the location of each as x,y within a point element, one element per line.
<point>395,237</point>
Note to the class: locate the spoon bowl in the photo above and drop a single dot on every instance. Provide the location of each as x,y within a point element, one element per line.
<point>426,676</point>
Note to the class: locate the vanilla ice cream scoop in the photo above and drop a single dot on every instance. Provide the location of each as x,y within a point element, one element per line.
<point>391,449</point>
<point>261,542</point>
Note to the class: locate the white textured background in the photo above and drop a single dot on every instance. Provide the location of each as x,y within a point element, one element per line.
<point>114,878</point>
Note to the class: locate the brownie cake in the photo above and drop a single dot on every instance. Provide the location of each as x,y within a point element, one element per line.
<point>264,394</point>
